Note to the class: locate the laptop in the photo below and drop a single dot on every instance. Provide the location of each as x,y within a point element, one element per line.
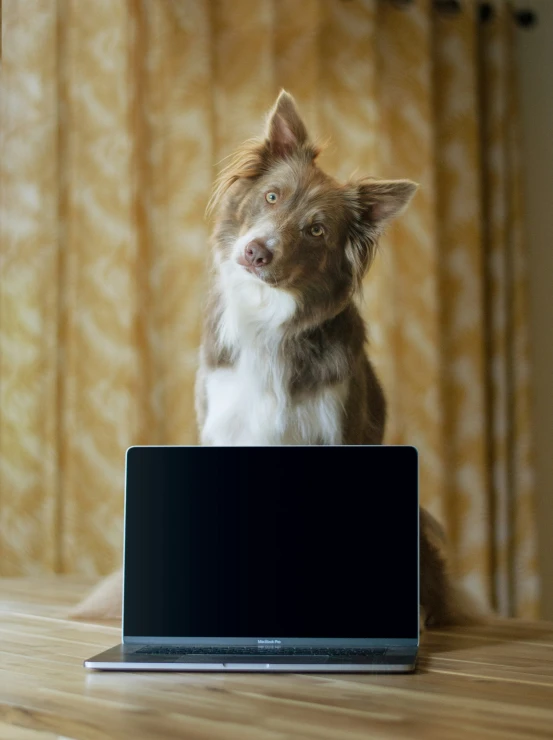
<point>295,558</point>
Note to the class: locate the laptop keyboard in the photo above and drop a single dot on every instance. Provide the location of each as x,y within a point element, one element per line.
<point>256,651</point>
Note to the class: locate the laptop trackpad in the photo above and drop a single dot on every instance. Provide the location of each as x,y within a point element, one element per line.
<point>273,659</point>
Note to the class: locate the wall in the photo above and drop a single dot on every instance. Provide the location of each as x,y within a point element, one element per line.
<point>535,56</point>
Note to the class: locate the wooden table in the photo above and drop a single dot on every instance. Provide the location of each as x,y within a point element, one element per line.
<point>471,683</point>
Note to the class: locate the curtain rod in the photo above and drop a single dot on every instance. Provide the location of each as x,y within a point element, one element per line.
<point>523,17</point>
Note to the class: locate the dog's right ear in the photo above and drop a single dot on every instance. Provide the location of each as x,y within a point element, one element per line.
<point>285,132</point>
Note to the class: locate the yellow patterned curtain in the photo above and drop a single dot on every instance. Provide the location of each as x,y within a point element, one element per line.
<point>113,122</point>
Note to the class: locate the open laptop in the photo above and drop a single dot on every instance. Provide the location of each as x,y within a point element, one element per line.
<point>269,559</point>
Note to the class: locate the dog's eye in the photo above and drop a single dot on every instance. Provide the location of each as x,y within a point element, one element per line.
<point>271,197</point>
<point>317,230</point>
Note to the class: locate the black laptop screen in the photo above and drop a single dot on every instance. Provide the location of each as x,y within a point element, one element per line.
<point>271,542</point>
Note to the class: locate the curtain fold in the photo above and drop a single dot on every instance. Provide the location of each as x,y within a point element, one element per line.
<point>510,484</point>
<point>460,214</point>
<point>114,123</point>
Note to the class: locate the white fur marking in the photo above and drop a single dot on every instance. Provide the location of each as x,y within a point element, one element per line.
<point>243,410</point>
<point>252,307</point>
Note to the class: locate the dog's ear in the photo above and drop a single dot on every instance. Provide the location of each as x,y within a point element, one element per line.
<point>285,131</point>
<point>374,203</point>
<point>284,135</point>
<point>383,200</point>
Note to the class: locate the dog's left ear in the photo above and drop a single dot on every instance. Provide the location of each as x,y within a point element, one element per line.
<point>380,201</point>
<point>285,132</point>
<point>374,203</point>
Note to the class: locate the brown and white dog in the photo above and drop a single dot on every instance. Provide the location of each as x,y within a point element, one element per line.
<point>283,358</point>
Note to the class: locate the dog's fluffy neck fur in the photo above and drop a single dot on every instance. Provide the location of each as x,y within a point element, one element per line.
<point>252,314</point>
<point>264,388</point>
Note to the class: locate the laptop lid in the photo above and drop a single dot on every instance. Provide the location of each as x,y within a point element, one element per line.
<point>271,545</point>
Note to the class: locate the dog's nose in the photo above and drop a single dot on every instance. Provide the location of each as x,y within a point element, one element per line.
<point>257,254</point>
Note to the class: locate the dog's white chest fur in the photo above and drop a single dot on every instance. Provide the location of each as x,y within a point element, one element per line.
<point>243,410</point>
<point>249,403</point>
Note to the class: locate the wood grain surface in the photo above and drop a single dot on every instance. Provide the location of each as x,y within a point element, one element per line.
<point>489,682</point>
